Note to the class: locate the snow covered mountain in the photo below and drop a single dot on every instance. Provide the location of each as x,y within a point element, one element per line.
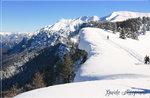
<point>57,33</point>
<point>10,39</point>
<point>69,24</point>
<point>114,68</point>
<point>123,15</point>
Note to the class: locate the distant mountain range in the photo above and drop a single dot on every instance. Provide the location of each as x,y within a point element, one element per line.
<point>10,39</point>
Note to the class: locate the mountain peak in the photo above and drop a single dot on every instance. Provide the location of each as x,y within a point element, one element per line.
<point>88,18</point>
<point>123,15</point>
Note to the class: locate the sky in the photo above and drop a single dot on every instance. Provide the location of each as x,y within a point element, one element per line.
<point>29,16</point>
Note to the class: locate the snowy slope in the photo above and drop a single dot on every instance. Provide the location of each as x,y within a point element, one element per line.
<point>123,15</point>
<point>92,89</point>
<point>105,56</point>
<point>114,65</point>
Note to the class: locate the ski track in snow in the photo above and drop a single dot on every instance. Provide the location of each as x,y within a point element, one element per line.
<point>98,49</point>
<point>130,51</point>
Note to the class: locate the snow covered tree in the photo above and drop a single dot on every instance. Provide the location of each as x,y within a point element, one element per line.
<point>144,30</point>
<point>114,28</point>
<point>109,26</point>
<point>129,33</point>
<point>119,29</point>
<point>102,26</point>
<point>122,34</point>
<point>135,36</point>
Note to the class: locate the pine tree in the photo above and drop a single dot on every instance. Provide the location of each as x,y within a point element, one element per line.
<point>114,28</point>
<point>102,26</point>
<point>135,36</point>
<point>37,81</point>
<point>122,34</point>
<point>119,29</point>
<point>66,69</point>
<point>129,33</point>
<point>144,30</point>
<point>109,26</point>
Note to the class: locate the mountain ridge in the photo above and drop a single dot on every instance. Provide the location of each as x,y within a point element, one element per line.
<point>123,15</point>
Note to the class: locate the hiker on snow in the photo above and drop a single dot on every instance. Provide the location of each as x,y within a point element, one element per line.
<point>146,59</point>
<point>107,37</point>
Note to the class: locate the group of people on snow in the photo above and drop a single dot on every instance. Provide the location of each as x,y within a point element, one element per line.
<point>146,59</point>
